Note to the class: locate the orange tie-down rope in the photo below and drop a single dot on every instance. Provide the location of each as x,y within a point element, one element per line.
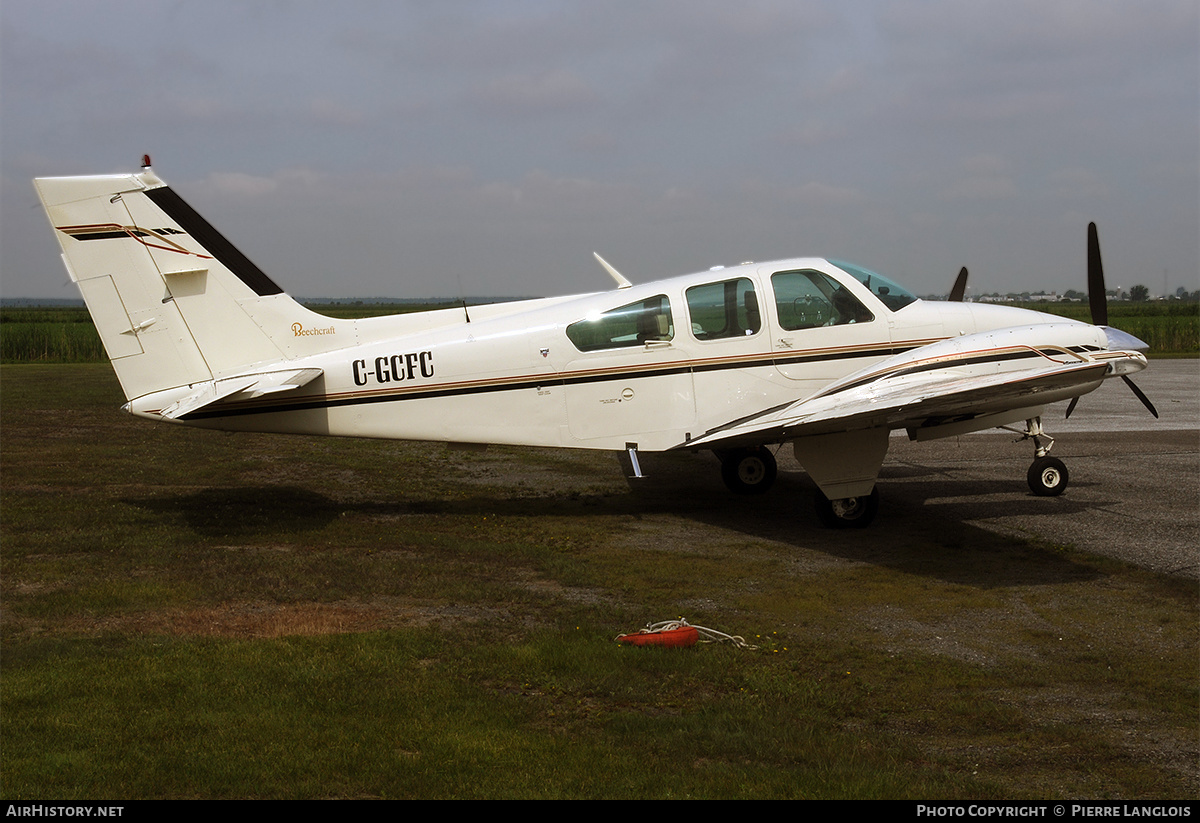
<point>679,634</point>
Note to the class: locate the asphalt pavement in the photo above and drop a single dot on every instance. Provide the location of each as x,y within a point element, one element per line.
<point>1134,490</point>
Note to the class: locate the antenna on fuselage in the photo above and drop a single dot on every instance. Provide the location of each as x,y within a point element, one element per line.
<point>463,295</point>
<point>622,283</point>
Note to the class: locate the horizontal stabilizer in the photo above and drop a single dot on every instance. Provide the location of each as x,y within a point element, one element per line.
<point>243,387</point>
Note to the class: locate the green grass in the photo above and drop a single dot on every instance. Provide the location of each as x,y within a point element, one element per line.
<point>449,713</point>
<point>193,614</point>
<point>34,334</point>
<point>66,335</point>
<point>49,336</point>
<point>1171,329</point>
<point>353,310</point>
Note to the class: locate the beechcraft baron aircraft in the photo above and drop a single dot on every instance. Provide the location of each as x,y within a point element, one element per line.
<point>819,354</point>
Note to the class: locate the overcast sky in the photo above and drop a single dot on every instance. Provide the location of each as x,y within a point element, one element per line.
<point>415,149</point>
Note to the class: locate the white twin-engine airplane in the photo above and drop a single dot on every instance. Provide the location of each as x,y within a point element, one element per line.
<point>819,354</point>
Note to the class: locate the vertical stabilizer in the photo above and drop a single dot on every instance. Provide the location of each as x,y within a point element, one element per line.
<point>174,302</point>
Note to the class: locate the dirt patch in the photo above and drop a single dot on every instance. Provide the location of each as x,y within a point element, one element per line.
<point>267,620</point>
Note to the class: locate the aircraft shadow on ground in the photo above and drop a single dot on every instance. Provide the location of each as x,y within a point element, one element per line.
<point>245,511</point>
<point>908,535</point>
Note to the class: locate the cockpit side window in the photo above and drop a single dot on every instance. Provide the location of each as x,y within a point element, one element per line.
<point>808,299</point>
<point>631,325</point>
<point>725,309</point>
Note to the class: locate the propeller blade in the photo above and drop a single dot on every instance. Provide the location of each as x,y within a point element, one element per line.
<point>1097,298</point>
<point>959,290</point>
<point>1071,407</point>
<point>1140,396</point>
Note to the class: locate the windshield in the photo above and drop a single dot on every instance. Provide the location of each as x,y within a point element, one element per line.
<point>890,293</point>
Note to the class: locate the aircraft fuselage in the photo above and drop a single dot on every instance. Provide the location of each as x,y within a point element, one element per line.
<point>511,374</point>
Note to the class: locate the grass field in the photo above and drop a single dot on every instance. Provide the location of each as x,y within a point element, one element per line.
<point>193,614</point>
<point>66,335</point>
<point>1172,329</point>
<point>33,334</point>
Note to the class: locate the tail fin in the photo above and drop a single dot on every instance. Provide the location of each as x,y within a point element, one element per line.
<point>174,302</point>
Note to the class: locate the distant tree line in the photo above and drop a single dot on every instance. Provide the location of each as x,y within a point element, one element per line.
<point>1135,294</point>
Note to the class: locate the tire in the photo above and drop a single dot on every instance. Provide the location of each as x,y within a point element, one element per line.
<point>849,512</point>
<point>1047,477</point>
<point>748,471</point>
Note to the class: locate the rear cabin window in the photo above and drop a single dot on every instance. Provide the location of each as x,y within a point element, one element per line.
<point>631,325</point>
<point>808,299</point>
<point>725,309</point>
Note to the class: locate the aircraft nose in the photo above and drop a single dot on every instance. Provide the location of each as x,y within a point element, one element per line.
<point>1118,339</point>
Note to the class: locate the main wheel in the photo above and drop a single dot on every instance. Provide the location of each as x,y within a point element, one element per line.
<point>748,471</point>
<point>1047,477</point>
<point>847,512</point>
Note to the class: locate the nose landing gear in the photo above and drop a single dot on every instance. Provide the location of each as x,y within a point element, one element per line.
<point>1048,476</point>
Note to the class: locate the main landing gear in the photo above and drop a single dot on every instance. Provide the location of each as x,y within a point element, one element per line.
<point>848,512</point>
<point>753,470</point>
<point>1048,476</point>
<point>749,470</point>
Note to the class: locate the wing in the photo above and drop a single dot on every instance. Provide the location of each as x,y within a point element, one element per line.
<point>910,401</point>
<point>952,387</point>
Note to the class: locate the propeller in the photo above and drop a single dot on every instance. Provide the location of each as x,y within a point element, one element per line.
<point>1098,301</point>
<point>959,290</point>
<point>1097,297</point>
<point>1140,396</point>
<point>1132,387</point>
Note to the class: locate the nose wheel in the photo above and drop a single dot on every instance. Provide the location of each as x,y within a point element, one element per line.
<point>1048,476</point>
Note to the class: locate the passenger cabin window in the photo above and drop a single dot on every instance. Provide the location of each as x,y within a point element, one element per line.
<point>727,309</point>
<point>808,299</point>
<point>631,325</point>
